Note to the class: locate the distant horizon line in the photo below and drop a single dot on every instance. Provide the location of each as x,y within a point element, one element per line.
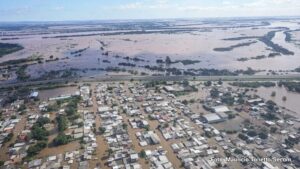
<point>149,19</point>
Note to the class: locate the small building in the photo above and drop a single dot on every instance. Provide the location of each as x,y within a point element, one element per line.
<point>134,157</point>
<point>267,165</point>
<point>34,94</point>
<point>104,109</point>
<point>35,163</point>
<point>255,101</point>
<point>212,118</point>
<point>220,109</point>
<point>169,89</point>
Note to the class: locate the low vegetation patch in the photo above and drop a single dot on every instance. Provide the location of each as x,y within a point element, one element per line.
<point>35,149</point>
<point>8,48</point>
<point>253,84</point>
<point>230,48</point>
<point>290,86</point>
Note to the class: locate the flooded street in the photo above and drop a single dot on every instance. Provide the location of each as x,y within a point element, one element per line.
<point>18,128</point>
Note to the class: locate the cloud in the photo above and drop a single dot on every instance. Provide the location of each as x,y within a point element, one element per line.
<point>201,8</point>
<point>153,9</point>
<point>148,4</point>
<point>135,5</point>
<point>58,8</point>
<point>16,11</point>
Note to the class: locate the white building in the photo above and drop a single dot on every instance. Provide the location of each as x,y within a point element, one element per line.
<point>212,118</point>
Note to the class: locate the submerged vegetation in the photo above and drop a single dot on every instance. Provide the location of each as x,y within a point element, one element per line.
<point>21,73</point>
<point>202,71</point>
<point>230,48</point>
<point>290,85</point>
<point>253,84</point>
<point>168,61</point>
<point>8,48</point>
<point>21,61</point>
<point>271,55</point>
<point>289,36</point>
<point>79,51</point>
<point>267,39</point>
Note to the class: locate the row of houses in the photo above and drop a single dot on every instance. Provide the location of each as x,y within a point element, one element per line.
<point>121,153</point>
<point>158,159</point>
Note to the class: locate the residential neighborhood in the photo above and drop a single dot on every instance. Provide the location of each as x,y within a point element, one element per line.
<point>151,124</point>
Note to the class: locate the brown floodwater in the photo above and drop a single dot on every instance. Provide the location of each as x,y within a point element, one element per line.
<point>195,44</point>
<point>292,102</point>
<point>44,95</point>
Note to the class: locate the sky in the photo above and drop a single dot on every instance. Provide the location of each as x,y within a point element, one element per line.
<point>67,10</point>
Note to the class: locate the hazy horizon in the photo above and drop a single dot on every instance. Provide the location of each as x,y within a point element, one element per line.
<point>153,19</point>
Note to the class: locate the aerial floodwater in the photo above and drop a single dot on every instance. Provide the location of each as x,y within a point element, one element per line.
<point>141,47</point>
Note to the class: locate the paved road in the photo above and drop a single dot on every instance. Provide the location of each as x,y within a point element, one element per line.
<point>150,78</point>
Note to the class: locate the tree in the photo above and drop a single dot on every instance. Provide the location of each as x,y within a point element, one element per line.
<point>284,98</point>
<point>271,105</point>
<point>35,149</point>
<point>273,94</point>
<point>238,151</point>
<point>21,73</point>
<point>185,102</point>
<point>8,138</point>
<point>80,124</point>
<point>192,101</point>
<point>228,99</point>
<point>72,106</point>
<point>147,128</point>
<point>231,116</point>
<point>270,116</point>
<point>208,83</point>
<point>142,154</point>
<point>125,126</point>
<point>241,100</point>
<point>39,133</point>
<point>61,139</point>
<point>252,133</point>
<point>102,130</point>
<point>41,121</point>
<point>52,107</point>
<point>214,93</point>
<point>62,123</point>
<point>273,129</point>
<point>220,82</point>
<point>186,83</point>
<point>110,151</point>
<point>227,153</point>
<point>243,137</point>
<point>168,60</point>
<point>263,135</point>
<point>70,111</point>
